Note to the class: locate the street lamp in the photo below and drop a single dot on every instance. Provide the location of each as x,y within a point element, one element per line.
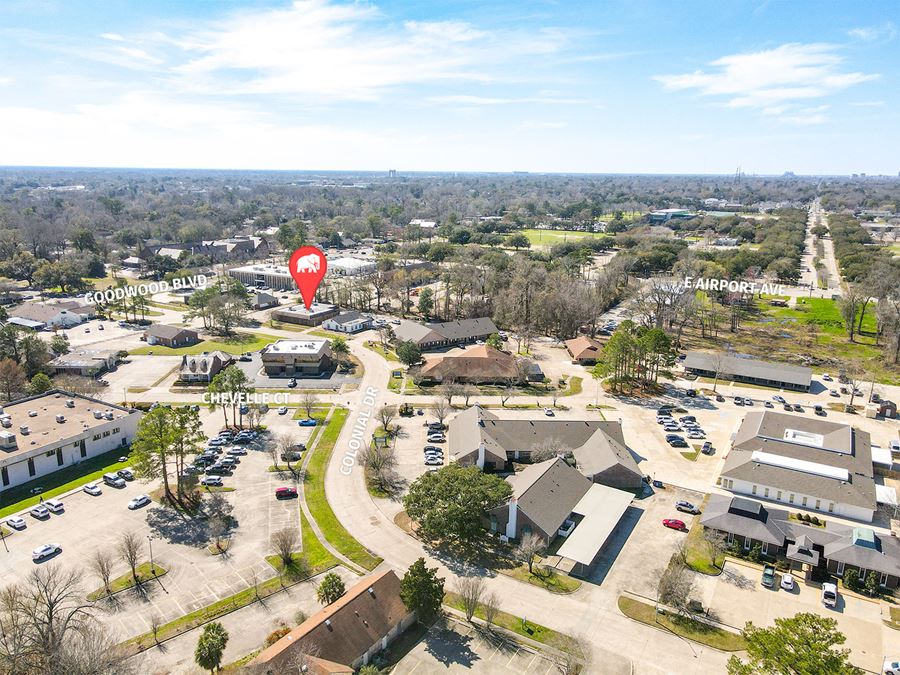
<point>152,566</point>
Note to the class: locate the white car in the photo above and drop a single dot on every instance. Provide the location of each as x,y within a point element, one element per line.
<point>40,511</point>
<point>434,461</point>
<point>44,551</point>
<point>16,523</point>
<point>93,489</point>
<point>829,595</point>
<point>54,505</point>
<point>138,502</point>
<point>696,433</point>
<point>787,582</point>
<point>211,480</point>
<point>891,667</point>
<point>436,438</point>
<point>549,412</point>
<point>282,410</point>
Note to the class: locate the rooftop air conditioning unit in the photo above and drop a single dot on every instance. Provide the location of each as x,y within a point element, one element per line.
<point>32,413</point>
<point>98,415</point>
<point>70,403</point>
<point>60,418</point>
<point>24,430</point>
<point>109,414</point>
<point>6,422</point>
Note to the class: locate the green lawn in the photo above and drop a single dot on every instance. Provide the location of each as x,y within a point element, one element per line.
<point>683,626</point>
<point>550,237</point>
<point>144,573</point>
<point>697,551</point>
<point>555,583</point>
<point>17,498</point>
<point>516,624</point>
<point>386,353</point>
<point>314,493</point>
<point>240,343</point>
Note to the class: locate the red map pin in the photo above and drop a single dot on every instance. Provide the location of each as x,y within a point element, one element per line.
<point>307,265</point>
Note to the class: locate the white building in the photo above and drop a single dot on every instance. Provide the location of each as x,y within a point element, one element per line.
<point>43,434</point>
<point>424,224</point>
<point>272,276</point>
<point>39,315</point>
<point>348,322</point>
<point>349,267</point>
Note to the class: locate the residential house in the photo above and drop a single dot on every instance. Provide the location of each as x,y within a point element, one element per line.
<point>348,322</point>
<point>203,367</point>
<point>802,462</point>
<point>171,336</point>
<point>752,371</point>
<point>832,548</point>
<point>261,300</point>
<point>346,634</point>
<point>584,350</point>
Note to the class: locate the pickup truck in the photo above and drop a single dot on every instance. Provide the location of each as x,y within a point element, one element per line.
<point>768,576</point>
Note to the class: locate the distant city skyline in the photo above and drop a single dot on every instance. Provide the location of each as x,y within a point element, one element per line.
<point>615,87</point>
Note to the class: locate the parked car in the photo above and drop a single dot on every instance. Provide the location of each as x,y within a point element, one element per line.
<point>435,426</point>
<point>549,412</point>
<point>285,493</point>
<point>696,434</point>
<point>674,524</point>
<point>788,407</point>
<point>768,576</point>
<point>436,438</point>
<point>54,505</point>
<point>237,451</point>
<point>833,392</point>
<point>891,667</point>
<point>720,398</point>
<point>798,407</point>
<point>16,522</point>
<point>138,502</point>
<point>114,480</point>
<point>127,474</point>
<point>92,489</point>
<point>40,511</point>
<point>707,448</point>
<point>434,461</point>
<point>664,420</point>
<point>819,410</point>
<point>219,470</point>
<point>671,427</point>
<point>894,445</point>
<point>829,595</point>
<point>687,507</point>
<point>307,423</point>
<point>211,481</point>
<point>768,404</point>
<point>45,551</point>
<point>826,377</point>
<point>230,460</point>
<point>779,399</point>
<point>738,400</point>
<point>219,440</point>
<point>687,418</point>
<point>657,484</point>
<point>787,582</point>
<point>676,441</point>
<point>282,410</point>
<point>292,382</point>
<point>433,448</point>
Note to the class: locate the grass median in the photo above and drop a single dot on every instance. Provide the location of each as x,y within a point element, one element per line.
<point>145,572</point>
<point>517,625</point>
<point>237,344</point>
<point>17,498</point>
<point>314,493</point>
<point>685,627</point>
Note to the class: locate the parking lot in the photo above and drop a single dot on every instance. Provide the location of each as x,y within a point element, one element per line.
<point>179,543</point>
<point>454,647</point>
<point>737,596</point>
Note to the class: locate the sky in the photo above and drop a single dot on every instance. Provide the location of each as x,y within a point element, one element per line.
<point>631,86</point>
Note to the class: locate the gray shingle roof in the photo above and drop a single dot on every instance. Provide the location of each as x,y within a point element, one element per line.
<point>547,492</point>
<point>763,370</point>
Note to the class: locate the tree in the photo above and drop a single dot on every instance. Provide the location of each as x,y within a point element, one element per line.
<point>549,448</point>
<point>801,644</point>
<point>494,341</point>
<point>101,564</point>
<point>130,548</point>
<point>340,348</point>
<point>449,389</point>
<point>211,646</point>
<point>330,589</point>
<point>716,543</point>
<point>284,542</point>
<point>518,240</point>
<point>12,378</point>
<point>426,302</point>
<point>851,578</point>
<point>440,408</point>
<point>308,401</point>
<point>237,386</point>
<point>529,546</point>
<point>386,415</point>
<point>152,446</point>
<point>422,591</point>
<point>570,655</point>
<point>676,584</point>
<point>872,583</point>
<point>451,503</point>
<point>409,353</point>
<point>286,445</point>
<point>59,344</point>
<point>848,305</point>
<point>470,590</point>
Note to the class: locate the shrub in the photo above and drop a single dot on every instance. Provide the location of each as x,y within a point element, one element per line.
<point>816,521</point>
<point>755,553</point>
<point>276,635</point>
<point>851,579</point>
<point>300,616</point>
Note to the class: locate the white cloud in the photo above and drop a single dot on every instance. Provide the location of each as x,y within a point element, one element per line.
<point>115,37</point>
<point>488,100</point>
<point>5,80</point>
<point>540,125</point>
<point>344,51</point>
<point>886,32</point>
<point>868,104</point>
<point>771,79</point>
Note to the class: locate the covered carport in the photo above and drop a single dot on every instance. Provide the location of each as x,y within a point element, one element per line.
<point>594,518</point>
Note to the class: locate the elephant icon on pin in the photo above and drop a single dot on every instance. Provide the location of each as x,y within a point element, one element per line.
<point>309,263</point>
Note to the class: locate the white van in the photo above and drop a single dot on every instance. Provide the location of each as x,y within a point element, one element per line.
<point>829,595</point>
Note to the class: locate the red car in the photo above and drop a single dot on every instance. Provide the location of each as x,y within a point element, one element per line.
<point>674,524</point>
<point>285,493</point>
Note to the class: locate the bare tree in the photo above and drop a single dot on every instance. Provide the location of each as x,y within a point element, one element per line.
<point>380,464</point>
<point>441,408</point>
<point>548,448</point>
<point>304,656</point>
<point>529,546</point>
<point>715,542</point>
<point>468,391</point>
<point>849,304</point>
<point>470,590</point>
<point>491,606</point>
<point>218,528</point>
<point>130,549</point>
<point>287,445</point>
<point>274,453</point>
<point>507,392</point>
<point>386,415</point>
<point>448,390</point>
<point>284,542</point>
<point>853,377</point>
<point>675,585</point>
<point>101,564</point>
<point>155,625</point>
<point>308,401</point>
<point>572,654</point>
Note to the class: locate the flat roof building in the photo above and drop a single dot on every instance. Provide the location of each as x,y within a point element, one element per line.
<point>45,433</point>
<point>299,314</point>
<point>297,358</point>
<point>85,362</point>
<point>272,276</point>
<point>751,371</point>
<point>349,267</point>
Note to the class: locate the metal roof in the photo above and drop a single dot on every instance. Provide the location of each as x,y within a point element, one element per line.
<point>602,508</point>
<point>794,464</point>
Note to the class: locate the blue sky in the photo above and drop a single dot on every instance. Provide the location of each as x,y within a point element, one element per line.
<point>631,86</point>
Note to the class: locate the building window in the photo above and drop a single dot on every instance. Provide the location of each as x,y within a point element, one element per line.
<point>791,498</point>
<point>779,496</point>
<point>526,529</point>
<point>830,507</point>
<point>766,493</point>
<point>818,504</point>
<point>754,490</point>
<point>59,457</point>
<point>116,430</point>
<point>96,437</point>
<point>804,501</point>
<point>31,466</point>
<point>105,434</point>
<point>5,473</point>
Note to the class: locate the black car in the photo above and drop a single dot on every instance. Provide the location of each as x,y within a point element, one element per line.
<point>798,407</point>
<point>218,470</point>
<point>127,474</point>
<point>677,442</point>
<point>788,407</point>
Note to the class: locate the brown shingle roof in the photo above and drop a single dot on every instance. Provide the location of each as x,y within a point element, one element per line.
<point>347,628</point>
<point>584,347</point>
<point>163,330</point>
<point>477,364</point>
